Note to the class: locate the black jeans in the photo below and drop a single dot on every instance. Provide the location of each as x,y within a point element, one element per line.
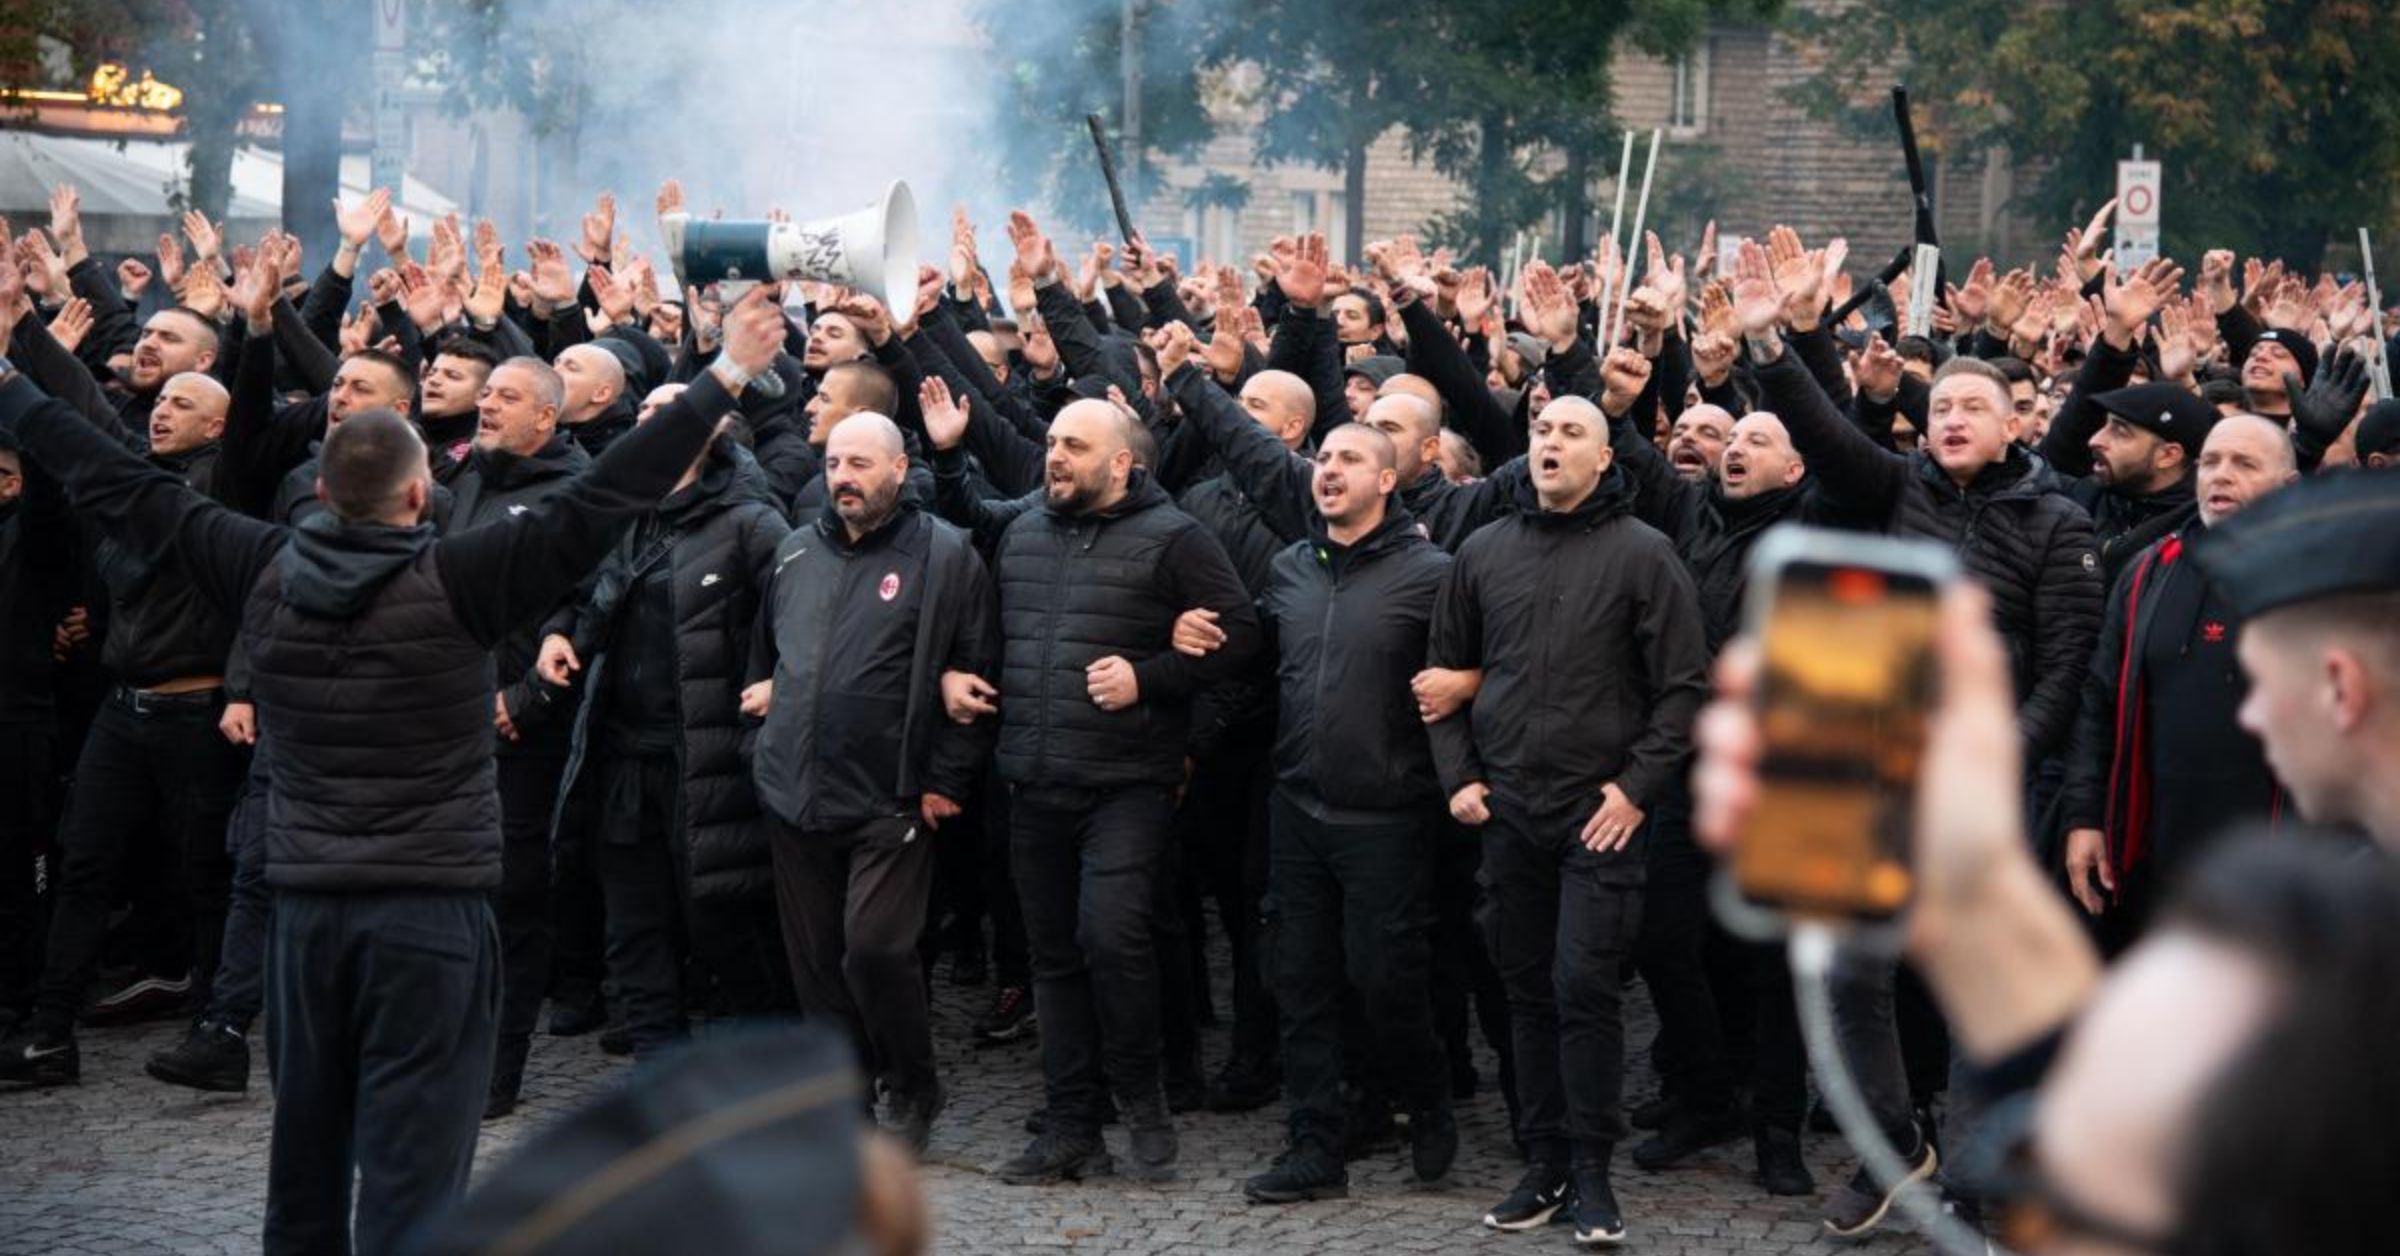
<point>156,784</point>
<point>1086,864</point>
<point>634,857</point>
<point>1561,921</point>
<point>1012,960</point>
<point>853,904</point>
<point>28,793</point>
<point>1224,818</point>
<point>1463,977</point>
<point>1779,1062</point>
<point>1351,911</point>
<point>1671,955</point>
<point>528,794</point>
<point>234,997</point>
<point>379,1040</point>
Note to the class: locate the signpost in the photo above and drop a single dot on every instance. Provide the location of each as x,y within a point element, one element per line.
<point>388,158</point>
<point>2137,211</point>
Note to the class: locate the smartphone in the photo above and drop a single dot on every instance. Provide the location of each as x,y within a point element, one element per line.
<point>1845,626</point>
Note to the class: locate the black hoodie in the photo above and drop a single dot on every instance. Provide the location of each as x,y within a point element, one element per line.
<point>498,485</point>
<point>1594,657</point>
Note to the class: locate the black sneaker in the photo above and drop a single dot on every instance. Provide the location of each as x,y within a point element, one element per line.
<point>1688,1132</point>
<point>1597,1221</point>
<point>1780,1169</point>
<point>508,1077</point>
<point>213,1056</point>
<point>1009,1018</point>
<point>1151,1142</point>
<point>576,1013</point>
<point>35,1056</point>
<point>1432,1142</point>
<point>615,1040</point>
<point>1538,1197</point>
<point>1368,1128</point>
<point>1039,1119</point>
<point>913,1114</point>
<point>1246,1084</point>
<point>144,999</point>
<point>1305,1171</point>
<point>1053,1158</point>
<point>1654,1114</point>
<point>1861,1204</point>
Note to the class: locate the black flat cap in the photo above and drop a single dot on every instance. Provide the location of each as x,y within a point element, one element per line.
<point>2166,409</point>
<point>2328,535</point>
<point>740,1146</point>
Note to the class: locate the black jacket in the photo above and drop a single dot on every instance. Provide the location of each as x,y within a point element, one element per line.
<point>500,485</point>
<point>2033,549</point>
<point>1594,658</point>
<point>41,569</point>
<point>1077,588</point>
<point>714,542</point>
<point>371,645</point>
<point>601,430</point>
<point>2158,761</point>
<point>1350,624</point>
<point>856,637</point>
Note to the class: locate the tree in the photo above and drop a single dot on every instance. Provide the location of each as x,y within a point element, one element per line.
<point>2276,119</point>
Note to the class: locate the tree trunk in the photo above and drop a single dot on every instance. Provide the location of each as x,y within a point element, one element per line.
<point>1354,200</point>
<point>312,71</point>
<point>1575,195</point>
<point>211,132</point>
<point>1490,214</point>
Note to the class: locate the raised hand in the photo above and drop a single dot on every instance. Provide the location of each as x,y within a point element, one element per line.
<point>66,223</point>
<point>360,221</point>
<point>1623,376</point>
<point>1300,271</point>
<point>1879,370</point>
<point>2081,256</point>
<point>1036,256</point>
<point>1665,277</point>
<point>1974,301</point>
<point>206,240</point>
<point>203,291</point>
<point>553,280</point>
<point>254,289</point>
<point>1223,350</point>
<point>754,330</point>
<point>2127,305</point>
<point>945,416</point>
<point>1757,303</point>
<point>423,296</point>
<point>872,319</point>
<point>1548,310</point>
<point>73,323</point>
<point>1173,344</point>
<point>391,231</point>
<point>599,231</point>
<point>1476,298</point>
<point>962,249</point>
<point>2325,407</point>
<point>446,258</point>
<point>2216,280</point>
<point>50,276</point>
<point>133,279</point>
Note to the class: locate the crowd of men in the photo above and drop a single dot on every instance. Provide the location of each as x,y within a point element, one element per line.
<point>385,666</point>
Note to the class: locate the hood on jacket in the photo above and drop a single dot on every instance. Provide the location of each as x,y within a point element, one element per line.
<point>1398,528</point>
<point>597,433</point>
<point>560,456</point>
<point>333,569</point>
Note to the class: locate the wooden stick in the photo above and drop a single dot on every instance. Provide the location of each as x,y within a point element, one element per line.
<point>1641,216</point>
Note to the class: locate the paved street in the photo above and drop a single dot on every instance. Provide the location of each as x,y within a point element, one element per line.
<point>122,1164</point>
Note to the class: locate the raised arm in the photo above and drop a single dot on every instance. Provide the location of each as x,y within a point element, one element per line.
<point>1277,480</point>
<point>505,572</point>
<point>144,507</point>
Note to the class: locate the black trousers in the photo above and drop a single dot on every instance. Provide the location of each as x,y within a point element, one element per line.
<point>528,795</point>
<point>1561,922</point>
<point>634,858</point>
<point>1779,1062</point>
<point>1086,865</point>
<point>853,904</point>
<point>1012,960</point>
<point>154,783</point>
<point>1464,980</point>
<point>28,802</point>
<point>380,1026</point>
<point>235,996</point>
<point>1224,818</point>
<point>1671,955</point>
<point>1351,911</point>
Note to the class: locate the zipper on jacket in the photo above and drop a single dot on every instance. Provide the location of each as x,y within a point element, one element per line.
<point>1333,593</point>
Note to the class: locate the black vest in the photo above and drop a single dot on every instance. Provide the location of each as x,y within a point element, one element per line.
<point>383,740</point>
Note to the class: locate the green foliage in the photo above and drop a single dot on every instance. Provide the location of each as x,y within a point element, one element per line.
<point>2276,119</point>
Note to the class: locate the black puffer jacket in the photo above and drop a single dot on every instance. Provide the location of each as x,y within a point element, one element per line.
<point>1077,588</point>
<point>2032,548</point>
<point>1594,663</point>
<point>499,485</point>
<point>1350,625</point>
<point>717,539</point>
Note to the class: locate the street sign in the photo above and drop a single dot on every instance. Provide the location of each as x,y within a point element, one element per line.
<point>387,159</point>
<point>2137,212</point>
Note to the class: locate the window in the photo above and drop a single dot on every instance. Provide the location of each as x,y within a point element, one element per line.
<point>1304,213</point>
<point>1687,100</point>
<point>1337,224</point>
<point>1216,232</point>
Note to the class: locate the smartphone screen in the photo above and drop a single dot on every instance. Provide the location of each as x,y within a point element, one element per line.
<point>1848,677</point>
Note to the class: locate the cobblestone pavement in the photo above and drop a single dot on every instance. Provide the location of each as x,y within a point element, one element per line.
<point>122,1164</point>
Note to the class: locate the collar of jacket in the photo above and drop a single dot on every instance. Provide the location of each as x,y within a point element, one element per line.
<point>1611,497</point>
<point>1141,493</point>
<point>1398,530</point>
<point>837,534</point>
<point>2014,475</point>
<point>1746,514</point>
<point>560,455</point>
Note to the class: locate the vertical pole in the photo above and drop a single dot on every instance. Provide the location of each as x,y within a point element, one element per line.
<point>1129,129</point>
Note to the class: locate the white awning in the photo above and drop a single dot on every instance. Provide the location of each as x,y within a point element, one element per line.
<point>133,178</point>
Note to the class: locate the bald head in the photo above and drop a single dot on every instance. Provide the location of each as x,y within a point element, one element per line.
<point>867,431</point>
<point>594,378</point>
<point>659,396</point>
<point>1282,403</point>
<point>2245,458</point>
<point>1416,386</point>
<point>1415,428</point>
<point>189,413</point>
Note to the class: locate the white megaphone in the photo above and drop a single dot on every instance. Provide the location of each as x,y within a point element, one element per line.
<point>873,250</point>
